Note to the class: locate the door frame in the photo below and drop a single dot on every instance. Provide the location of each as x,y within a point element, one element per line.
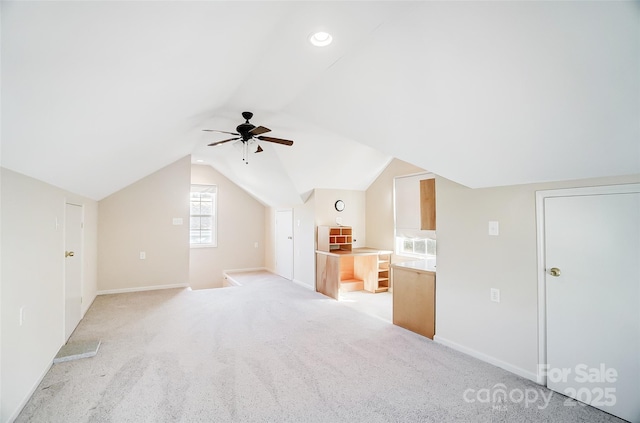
<point>64,272</point>
<point>275,224</point>
<point>541,377</point>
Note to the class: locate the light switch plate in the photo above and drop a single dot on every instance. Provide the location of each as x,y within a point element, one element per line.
<point>494,228</point>
<point>495,295</point>
<point>177,221</point>
<point>143,255</point>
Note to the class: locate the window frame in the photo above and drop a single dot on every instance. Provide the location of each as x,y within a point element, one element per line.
<point>213,190</point>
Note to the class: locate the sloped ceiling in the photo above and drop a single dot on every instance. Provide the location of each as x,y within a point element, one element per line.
<point>96,95</point>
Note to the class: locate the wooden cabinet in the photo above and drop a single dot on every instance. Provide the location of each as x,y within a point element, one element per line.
<point>414,305</point>
<point>342,271</point>
<point>428,204</point>
<point>332,238</point>
<point>373,269</point>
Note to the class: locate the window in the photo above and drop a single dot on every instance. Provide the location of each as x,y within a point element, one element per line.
<point>416,247</point>
<point>411,240</point>
<point>203,220</point>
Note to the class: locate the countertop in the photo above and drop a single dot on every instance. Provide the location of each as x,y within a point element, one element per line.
<point>419,265</point>
<point>355,252</point>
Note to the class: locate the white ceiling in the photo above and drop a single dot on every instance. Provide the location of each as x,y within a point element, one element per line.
<point>96,95</point>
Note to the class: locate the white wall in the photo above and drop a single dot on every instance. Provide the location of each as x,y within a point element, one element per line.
<point>317,210</point>
<point>33,278</point>
<point>470,262</point>
<point>353,214</point>
<point>304,235</point>
<point>241,223</point>
<point>139,218</point>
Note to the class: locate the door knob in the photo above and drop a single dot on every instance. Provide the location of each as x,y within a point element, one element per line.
<point>69,254</point>
<point>554,271</point>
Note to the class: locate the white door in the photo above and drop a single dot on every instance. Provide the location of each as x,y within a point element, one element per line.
<point>284,243</point>
<point>72,268</point>
<point>593,304</point>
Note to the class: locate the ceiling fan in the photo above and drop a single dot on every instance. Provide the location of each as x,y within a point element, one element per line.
<point>248,133</point>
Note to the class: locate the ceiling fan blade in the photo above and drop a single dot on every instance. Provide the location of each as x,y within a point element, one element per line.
<point>259,130</point>
<point>222,132</point>
<point>276,140</point>
<point>222,142</point>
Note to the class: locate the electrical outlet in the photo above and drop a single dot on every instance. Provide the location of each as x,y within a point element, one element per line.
<point>177,221</point>
<point>494,228</point>
<point>143,255</point>
<point>495,295</point>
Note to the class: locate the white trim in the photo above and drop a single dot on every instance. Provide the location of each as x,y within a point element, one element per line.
<point>304,285</point>
<point>248,269</point>
<point>293,240</point>
<point>64,266</point>
<point>84,312</point>
<point>142,288</point>
<point>542,290</point>
<point>229,281</point>
<point>211,189</point>
<point>486,358</point>
<point>26,399</point>
<point>228,277</point>
<point>430,175</point>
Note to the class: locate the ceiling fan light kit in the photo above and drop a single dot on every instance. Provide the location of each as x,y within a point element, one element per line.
<point>248,133</point>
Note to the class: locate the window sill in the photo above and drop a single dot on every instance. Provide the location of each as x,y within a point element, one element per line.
<point>203,245</point>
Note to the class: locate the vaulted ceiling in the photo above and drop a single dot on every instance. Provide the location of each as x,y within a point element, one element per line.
<point>96,95</point>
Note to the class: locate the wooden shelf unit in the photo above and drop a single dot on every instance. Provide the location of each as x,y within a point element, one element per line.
<point>332,238</point>
<point>384,262</point>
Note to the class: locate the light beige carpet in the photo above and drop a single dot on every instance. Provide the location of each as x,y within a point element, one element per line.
<point>270,351</point>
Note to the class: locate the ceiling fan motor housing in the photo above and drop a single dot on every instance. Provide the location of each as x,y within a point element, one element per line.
<point>244,128</point>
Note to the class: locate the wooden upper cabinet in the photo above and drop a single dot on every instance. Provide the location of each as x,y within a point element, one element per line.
<point>428,204</point>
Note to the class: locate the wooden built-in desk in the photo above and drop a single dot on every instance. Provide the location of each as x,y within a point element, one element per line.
<point>360,268</point>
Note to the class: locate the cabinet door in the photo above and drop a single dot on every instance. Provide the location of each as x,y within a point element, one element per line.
<point>428,204</point>
<point>414,301</point>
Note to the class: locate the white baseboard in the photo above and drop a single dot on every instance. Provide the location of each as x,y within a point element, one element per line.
<point>248,269</point>
<point>142,288</point>
<point>227,277</point>
<point>31,391</point>
<point>305,285</point>
<point>487,358</point>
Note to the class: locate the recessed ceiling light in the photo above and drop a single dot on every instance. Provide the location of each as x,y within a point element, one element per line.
<point>321,39</point>
<point>199,161</point>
